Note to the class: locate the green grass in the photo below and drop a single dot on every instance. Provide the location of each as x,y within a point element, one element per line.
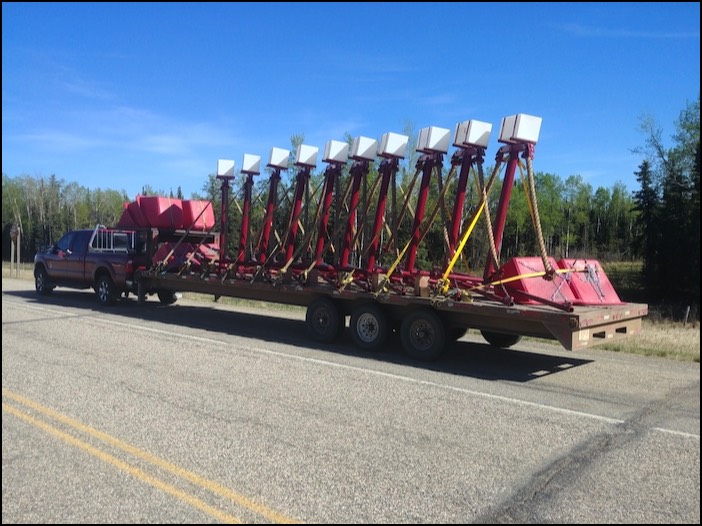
<point>665,339</point>
<point>625,277</point>
<point>25,270</point>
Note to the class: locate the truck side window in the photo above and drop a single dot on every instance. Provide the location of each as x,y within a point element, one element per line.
<point>120,241</point>
<point>80,243</point>
<point>64,243</point>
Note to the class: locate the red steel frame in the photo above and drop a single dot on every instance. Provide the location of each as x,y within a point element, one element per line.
<point>262,248</point>
<point>359,170</point>
<point>467,158</point>
<point>388,168</point>
<point>331,174</point>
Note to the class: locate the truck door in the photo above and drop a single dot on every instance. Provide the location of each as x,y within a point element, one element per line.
<point>60,260</point>
<point>75,267</point>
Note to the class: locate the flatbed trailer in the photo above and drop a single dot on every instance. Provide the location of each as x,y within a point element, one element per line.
<point>570,301</point>
<point>502,325</point>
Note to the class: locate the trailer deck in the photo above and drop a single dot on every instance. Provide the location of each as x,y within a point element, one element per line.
<point>576,328</point>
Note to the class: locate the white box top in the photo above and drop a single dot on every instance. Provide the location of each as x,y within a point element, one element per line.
<point>433,140</point>
<point>364,148</point>
<point>520,128</point>
<point>306,155</point>
<point>225,168</point>
<point>251,164</point>
<point>472,133</point>
<point>336,152</point>
<point>279,158</point>
<point>393,145</point>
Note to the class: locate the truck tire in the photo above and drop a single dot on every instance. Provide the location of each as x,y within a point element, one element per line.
<point>501,339</point>
<point>42,283</point>
<point>105,290</point>
<point>324,320</point>
<point>423,334</point>
<point>167,297</point>
<point>369,326</point>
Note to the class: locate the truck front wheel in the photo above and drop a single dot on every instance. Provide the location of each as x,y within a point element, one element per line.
<point>106,290</point>
<point>324,320</point>
<point>41,282</point>
<point>423,334</point>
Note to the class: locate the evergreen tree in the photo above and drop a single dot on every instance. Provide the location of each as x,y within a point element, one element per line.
<point>646,204</point>
<point>695,229</point>
<point>673,260</point>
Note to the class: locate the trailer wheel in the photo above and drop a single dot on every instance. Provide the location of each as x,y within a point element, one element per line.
<point>501,339</point>
<point>369,326</point>
<point>324,321</point>
<point>105,290</point>
<point>167,297</point>
<point>42,283</point>
<point>423,334</point>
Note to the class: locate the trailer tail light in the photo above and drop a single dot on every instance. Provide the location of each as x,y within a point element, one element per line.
<point>129,267</point>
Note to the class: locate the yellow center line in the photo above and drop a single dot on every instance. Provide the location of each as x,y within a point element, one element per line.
<point>154,460</point>
<point>134,471</point>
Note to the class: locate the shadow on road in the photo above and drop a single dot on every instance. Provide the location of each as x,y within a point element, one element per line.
<point>464,357</point>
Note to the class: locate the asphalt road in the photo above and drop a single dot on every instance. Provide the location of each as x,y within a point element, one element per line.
<point>203,413</point>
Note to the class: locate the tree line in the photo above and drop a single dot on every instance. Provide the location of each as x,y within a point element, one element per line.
<point>657,224</point>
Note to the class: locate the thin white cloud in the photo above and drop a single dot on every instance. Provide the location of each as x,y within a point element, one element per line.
<point>60,141</point>
<point>126,129</point>
<point>66,79</point>
<point>438,100</point>
<point>410,97</point>
<point>84,89</point>
<point>591,31</point>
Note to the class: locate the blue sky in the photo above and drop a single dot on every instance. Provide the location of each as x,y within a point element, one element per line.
<point>122,95</point>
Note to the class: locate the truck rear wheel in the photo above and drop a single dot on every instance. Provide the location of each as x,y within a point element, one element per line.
<point>423,334</point>
<point>501,339</point>
<point>106,290</point>
<point>324,320</point>
<point>369,326</point>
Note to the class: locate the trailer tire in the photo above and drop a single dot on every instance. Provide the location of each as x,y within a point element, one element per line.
<point>501,339</point>
<point>324,320</point>
<point>41,282</point>
<point>369,326</point>
<point>423,334</point>
<point>167,297</point>
<point>105,290</point>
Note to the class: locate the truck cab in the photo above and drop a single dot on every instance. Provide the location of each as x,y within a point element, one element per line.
<point>65,261</point>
